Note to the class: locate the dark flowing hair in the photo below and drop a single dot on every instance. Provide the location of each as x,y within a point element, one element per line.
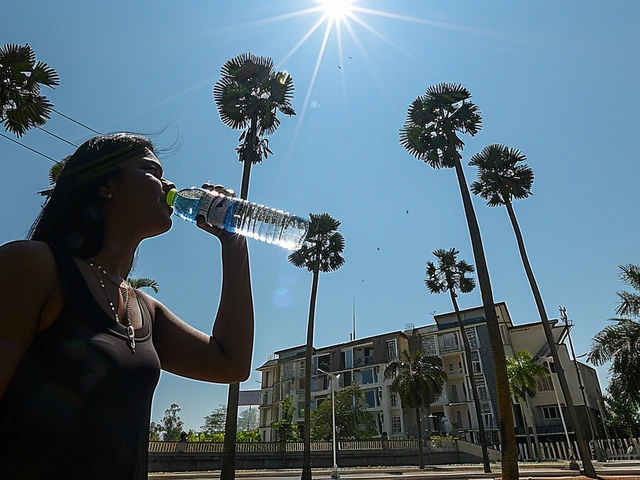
<point>73,215</point>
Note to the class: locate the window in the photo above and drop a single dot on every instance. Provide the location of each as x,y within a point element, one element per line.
<point>551,413</point>
<point>370,398</point>
<point>287,371</point>
<point>450,342</point>
<point>451,368</point>
<point>454,393</point>
<point>300,409</point>
<point>367,376</point>
<point>323,362</point>
<point>368,355</point>
<point>393,400</point>
<point>429,345</point>
<point>459,419</point>
<point>392,349</point>
<point>487,420</point>
<point>301,369</point>
<point>545,383</point>
<point>471,336</point>
<point>396,425</point>
<point>346,358</point>
<point>482,393</point>
<point>477,365</point>
<point>265,379</point>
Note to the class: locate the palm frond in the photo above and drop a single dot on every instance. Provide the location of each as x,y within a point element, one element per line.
<point>630,275</point>
<point>143,282</point>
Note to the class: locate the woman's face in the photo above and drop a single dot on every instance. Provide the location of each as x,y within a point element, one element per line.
<point>139,197</point>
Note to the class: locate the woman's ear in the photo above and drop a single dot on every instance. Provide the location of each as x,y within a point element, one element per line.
<point>107,190</point>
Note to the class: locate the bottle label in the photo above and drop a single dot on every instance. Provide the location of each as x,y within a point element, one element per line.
<point>214,209</point>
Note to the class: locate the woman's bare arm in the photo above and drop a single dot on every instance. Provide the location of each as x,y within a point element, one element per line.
<point>28,281</point>
<point>225,355</point>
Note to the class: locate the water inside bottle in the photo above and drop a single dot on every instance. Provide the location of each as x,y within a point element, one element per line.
<point>187,204</point>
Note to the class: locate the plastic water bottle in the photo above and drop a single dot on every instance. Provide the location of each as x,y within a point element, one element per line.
<point>239,216</point>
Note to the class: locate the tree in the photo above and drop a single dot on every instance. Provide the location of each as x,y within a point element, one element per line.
<point>154,432</point>
<point>22,105</point>
<point>502,178</point>
<point>248,420</point>
<point>320,253</point>
<point>286,430</point>
<point>430,134</point>
<point>629,301</point>
<point>353,419</point>
<point>171,425</point>
<point>450,275</point>
<point>621,415</point>
<point>143,282</point>
<point>249,95</point>
<point>417,379</point>
<point>523,372</point>
<point>214,423</point>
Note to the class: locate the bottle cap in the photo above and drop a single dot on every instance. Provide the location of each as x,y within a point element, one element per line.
<point>171,196</point>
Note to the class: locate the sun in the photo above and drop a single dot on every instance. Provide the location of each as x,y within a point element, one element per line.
<point>336,9</point>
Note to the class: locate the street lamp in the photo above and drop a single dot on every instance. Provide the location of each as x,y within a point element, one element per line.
<point>334,471</point>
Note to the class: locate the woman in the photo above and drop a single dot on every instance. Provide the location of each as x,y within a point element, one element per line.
<point>80,350</point>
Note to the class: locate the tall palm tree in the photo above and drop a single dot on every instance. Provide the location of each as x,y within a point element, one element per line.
<point>502,178</point>
<point>320,253</point>
<point>22,105</point>
<point>417,379</point>
<point>450,275</point>
<point>523,372</point>
<point>629,301</point>
<point>249,95</point>
<point>430,133</point>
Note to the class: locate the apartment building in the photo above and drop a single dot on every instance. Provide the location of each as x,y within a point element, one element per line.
<point>363,361</point>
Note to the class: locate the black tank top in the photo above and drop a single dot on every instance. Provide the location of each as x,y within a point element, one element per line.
<point>79,404</point>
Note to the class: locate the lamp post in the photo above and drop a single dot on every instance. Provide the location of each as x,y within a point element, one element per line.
<point>573,465</point>
<point>334,471</point>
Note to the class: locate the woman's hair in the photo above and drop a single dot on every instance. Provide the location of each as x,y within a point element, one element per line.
<point>73,215</point>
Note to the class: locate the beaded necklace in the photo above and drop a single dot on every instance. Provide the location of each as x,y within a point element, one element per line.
<point>126,320</point>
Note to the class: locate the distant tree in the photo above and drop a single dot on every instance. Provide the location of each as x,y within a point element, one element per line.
<point>155,431</point>
<point>621,415</point>
<point>248,420</point>
<point>417,379</point>
<point>320,253</point>
<point>286,430</point>
<point>523,373</point>
<point>171,425</point>
<point>22,105</point>
<point>214,422</point>
<point>353,419</point>
<point>247,436</point>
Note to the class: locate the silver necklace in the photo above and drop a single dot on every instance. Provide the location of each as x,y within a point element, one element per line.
<point>126,320</point>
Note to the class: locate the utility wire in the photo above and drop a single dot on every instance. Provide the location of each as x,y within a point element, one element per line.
<point>75,121</point>
<point>56,136</point>
<point>29,148</point>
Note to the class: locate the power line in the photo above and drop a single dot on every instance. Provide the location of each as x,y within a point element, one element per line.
<point>75,121</point>
<point>29,148</point>
<point>56,136</point>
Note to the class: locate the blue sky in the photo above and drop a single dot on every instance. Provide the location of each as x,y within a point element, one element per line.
<point>554,79</point>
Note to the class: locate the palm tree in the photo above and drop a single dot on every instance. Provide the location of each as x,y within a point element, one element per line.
<point>321,253</point>
<point>523,372</point>
<point>629,301</point>
<point>417,379</point>
<point>450,276</point>
<point>502,178</point>
<point>143,282</point>
<point>22,105</point>
<point>249,95</point>
<point>430,134</point>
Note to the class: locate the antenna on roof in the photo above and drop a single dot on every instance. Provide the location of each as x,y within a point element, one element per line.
<point>354,319</point>
<point>409,326</point>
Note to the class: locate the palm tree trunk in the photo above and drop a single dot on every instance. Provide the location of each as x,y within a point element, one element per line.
<point>250,142</point>
<point>589,471</point>
<point>420,452</point>
<point>306,454</point>
<point>228,471</point>
<point>474,389</point>
<point>505,414</point>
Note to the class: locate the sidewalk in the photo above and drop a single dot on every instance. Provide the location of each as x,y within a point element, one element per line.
<point>534,471</point>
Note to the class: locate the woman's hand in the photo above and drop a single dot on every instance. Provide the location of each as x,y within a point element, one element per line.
<point>221,233</point>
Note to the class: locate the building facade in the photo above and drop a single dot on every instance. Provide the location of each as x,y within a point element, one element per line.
<point>363,361</point>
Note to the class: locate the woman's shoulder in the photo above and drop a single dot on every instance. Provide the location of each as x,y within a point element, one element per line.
<point>28,256</point>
